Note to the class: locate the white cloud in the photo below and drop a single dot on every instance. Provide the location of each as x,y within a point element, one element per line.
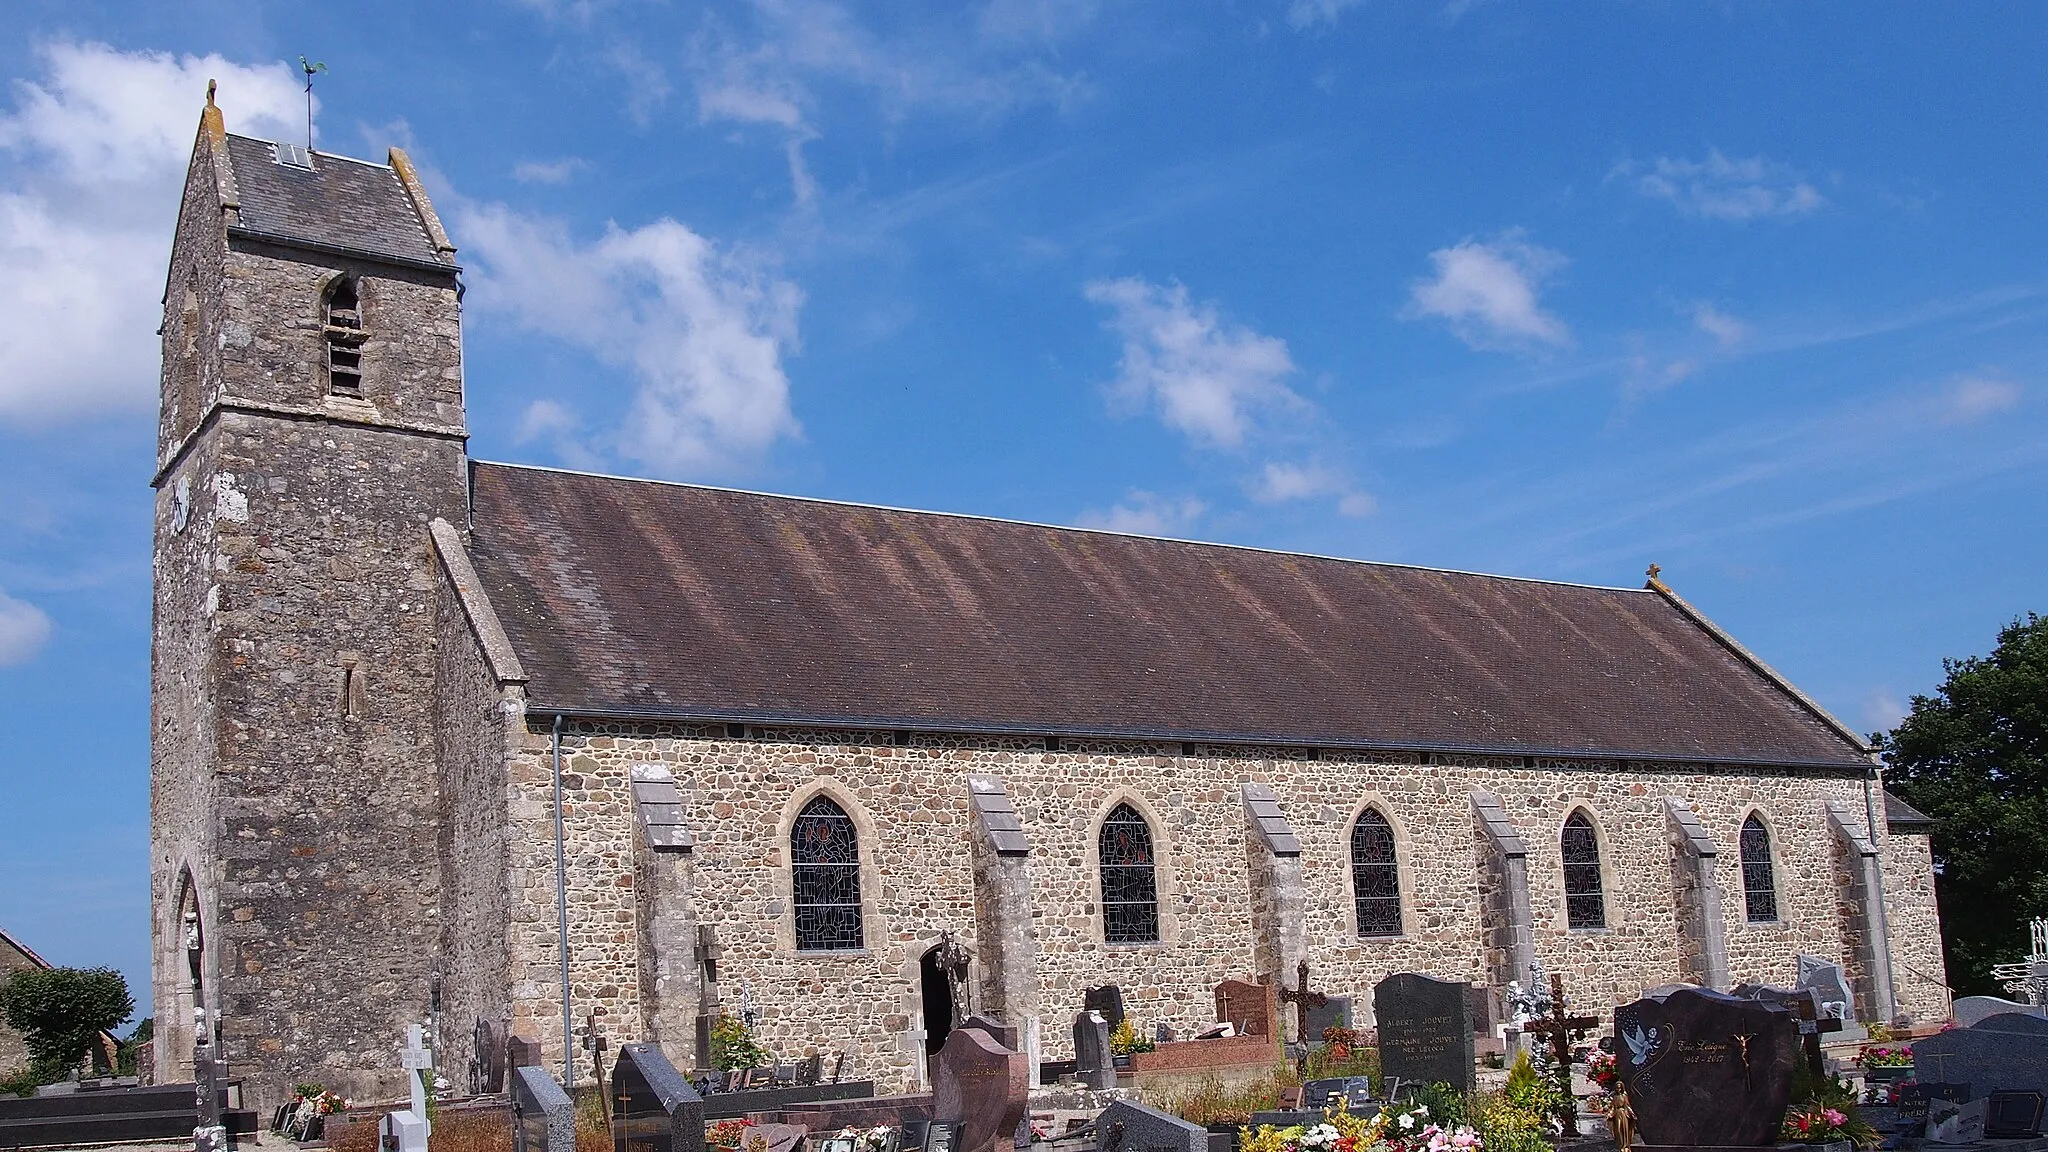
<point>1146,514</point>
<point>1726,330</point>
<point>1207,378</point>
<point>1486,291</point>
<point>547,171</point>
<point>704,331</point>
<point>1720,188</point>
<point>1281,482</point>
<point>1306,13</point>
<point>97,148</point>
<point>774,71</point>
<point>1881,710</point>
<point>1972,398</point>
<point>23,629</point>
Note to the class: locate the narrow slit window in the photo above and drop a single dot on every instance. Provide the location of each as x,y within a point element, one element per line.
<point>1375,876</point>
<point>1585,904</point>
<point>1130,888</point>
<point>824,854</point>
<point>1759,881</point>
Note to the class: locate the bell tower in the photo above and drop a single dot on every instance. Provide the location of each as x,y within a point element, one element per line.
<point>311,427</point>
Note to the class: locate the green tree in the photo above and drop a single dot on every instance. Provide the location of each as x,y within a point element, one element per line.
<point>1974,756</point>
<point>60,1013</point>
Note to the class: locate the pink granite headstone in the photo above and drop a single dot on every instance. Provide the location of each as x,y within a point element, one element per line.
<point>983,1085</point>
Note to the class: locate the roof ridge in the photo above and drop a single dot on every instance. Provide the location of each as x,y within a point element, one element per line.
<point>1056,527</point>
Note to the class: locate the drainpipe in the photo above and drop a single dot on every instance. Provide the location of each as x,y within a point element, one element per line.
<point>1882,921</point>
<point>562,916</point>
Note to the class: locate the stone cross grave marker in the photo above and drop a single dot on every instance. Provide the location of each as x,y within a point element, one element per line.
<point>1108,1000</point>
<point>1252,1009</point>
<point>1126,1126</point>
<point>1705,1069</point>
<point>654,1109</point>
<point>1304,1001</point>
<point>1093,1061</point>
<point>2008,1052</point>
<point>543,1117</point>
<point>1425,1031</point>
<point>1561,1030</point>
<point>983,1085</point>
<point>407,1130</point>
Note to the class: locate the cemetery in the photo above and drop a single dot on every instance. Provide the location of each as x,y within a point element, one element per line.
<point>1415,1063</point>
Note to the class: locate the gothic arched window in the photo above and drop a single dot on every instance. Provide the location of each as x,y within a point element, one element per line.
<point>824,872</point>
<point>1375,877</point>
<point>342,314</point>
<point>1130,890</point>
<point>1584,904</point>
<point>1759,884</point>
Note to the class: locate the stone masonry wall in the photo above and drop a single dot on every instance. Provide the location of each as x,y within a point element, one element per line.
<point>1919,974</point>
<point>477,724</point>
<point>309,587</point>
<point>910,805</point>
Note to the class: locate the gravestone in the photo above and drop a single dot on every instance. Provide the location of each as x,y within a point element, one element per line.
<point>1253,1008</point>
<point>521,1053</point>
<point>2013,1115</point>
<point>1830,986</point>
<point>407,1130</point>
<point>1349,1093</point>
<point>1970,1010</point>
<point>487,1065</point>
<point>1334,1012</point>
<point>1706,1069</point>
<point>1108,1000</point>
<point>1425,1030</point>
<point>1125,1126</point>
<point>1486,1008</point>
<point>1999,1053</point>
<point>1001,1033</point>
<point>1956,1123</point>
<point>983,1085</point>
<point>1094,1064</point>
<point>654,1109</point>
<point>543,1116</point>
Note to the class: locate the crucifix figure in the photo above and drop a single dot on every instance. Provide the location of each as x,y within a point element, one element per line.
<point>1303,1000</point>
<point>1561,1030</point>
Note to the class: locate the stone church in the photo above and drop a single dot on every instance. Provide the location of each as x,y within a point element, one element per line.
<point>774,749</point>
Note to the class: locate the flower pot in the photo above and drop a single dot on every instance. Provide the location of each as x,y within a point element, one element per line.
<point>1887,1075</point>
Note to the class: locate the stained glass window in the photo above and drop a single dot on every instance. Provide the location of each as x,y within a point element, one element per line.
<point>1584,904</point>
<point>1759,885</point>
<point>824,857</point>
<point>1130,891</point>
<point>1375,878</point>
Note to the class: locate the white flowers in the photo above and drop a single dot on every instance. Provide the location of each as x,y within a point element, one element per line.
<point>1322,1136</point>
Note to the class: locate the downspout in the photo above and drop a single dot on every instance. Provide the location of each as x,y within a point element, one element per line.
<point>562,915</point>
<point>1882,921</point>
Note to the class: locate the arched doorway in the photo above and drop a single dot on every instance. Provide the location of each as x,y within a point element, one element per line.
<point>937,989</point>
<point>187,947</point>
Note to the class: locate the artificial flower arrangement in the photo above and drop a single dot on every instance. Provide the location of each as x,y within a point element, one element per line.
<point>1339,1042</point>
<point>728,1134</point>
<point>314,1100</point>
<point>1816,1124</point>
<point>1885,1056</point>
<point>1395,1128</point>
<point>869,1139</point>
<point>1605,1073</point>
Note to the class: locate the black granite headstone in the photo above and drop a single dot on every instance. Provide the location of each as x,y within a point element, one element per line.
<point>654,1109</point>
<point>1425,1030</point>
<point>1333,1012</point>
<point>1108,1000</point>
<point>2013,1115</point>
<point>1350,1093</point>
<point>1999,1053</point>
<point>1093,1061</point>
<point>543,1116</point>
<point>1126,1126</point>
<point>1706,1069</point>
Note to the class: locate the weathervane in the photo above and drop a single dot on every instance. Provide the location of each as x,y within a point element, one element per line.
<point>309,69</point>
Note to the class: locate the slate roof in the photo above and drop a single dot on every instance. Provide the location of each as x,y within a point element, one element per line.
<point>340,203</point>
<point>638,598</point>
<point>1900,816</point>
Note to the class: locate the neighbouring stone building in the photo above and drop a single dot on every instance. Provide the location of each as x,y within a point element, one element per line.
<point>787,743</point>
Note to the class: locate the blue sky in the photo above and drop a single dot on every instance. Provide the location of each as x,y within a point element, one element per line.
<point>1753,291</point>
